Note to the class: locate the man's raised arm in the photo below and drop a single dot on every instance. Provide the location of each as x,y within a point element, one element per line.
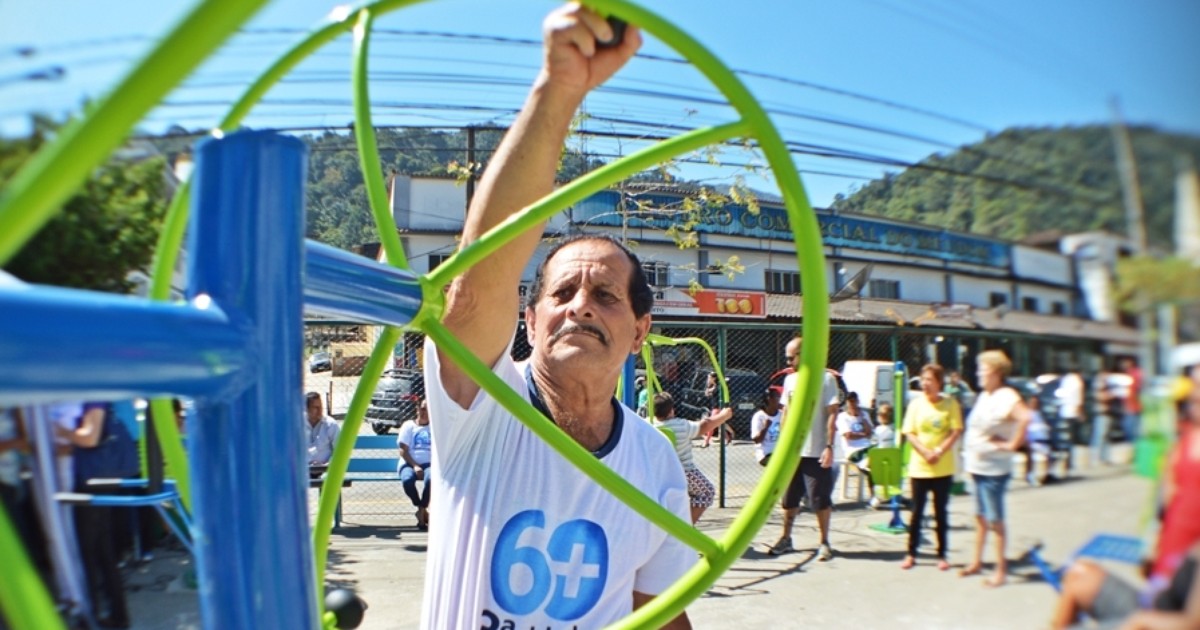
<point>482,304</point>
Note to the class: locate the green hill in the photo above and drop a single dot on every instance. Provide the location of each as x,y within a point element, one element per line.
<point>1024,181</point>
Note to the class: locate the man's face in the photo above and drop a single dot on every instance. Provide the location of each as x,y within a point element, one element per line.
<point>791,354</point>
<point>585,313</point>
<point>315,410</point>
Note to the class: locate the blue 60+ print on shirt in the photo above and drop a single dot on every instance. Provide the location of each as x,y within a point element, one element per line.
<point>773,432</point>
<point>566,578</point>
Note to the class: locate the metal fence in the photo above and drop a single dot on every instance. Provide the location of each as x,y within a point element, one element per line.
<point>750,354</point>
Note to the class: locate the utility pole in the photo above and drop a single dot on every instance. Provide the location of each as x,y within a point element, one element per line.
<point>470,164</point>
<point>1135,223</point>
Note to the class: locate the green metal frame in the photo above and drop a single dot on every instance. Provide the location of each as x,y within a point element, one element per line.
<point>653,340</point>
<point>59,168</point>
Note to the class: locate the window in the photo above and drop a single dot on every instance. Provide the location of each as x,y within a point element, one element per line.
<point>658,274</point>
<point>886,289</point>
<point>998,299</point>
<point>1058,308</point>
<point>437,259</point>
<point>787,282</point>
<point>1029,304</point>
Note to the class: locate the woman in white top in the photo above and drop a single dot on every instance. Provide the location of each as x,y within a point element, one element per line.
<point>854,431</point>
<point>682,432</point>
<point>995,430</point>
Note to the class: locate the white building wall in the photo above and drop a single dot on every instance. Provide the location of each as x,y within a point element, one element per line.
<point>1046,296</point>
<point>977,291</point>
<point>433,204</point>
<point>916,285</point>
<point>1039,264</point>
<point>419,247</point>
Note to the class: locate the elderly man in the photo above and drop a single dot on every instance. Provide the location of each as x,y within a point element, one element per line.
<point>523,539</point>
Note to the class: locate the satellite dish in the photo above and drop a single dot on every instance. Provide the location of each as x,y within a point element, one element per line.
<point>854,286</point>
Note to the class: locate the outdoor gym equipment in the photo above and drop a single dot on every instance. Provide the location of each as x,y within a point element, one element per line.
<point>235,347</point>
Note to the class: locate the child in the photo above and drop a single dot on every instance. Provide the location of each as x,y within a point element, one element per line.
<point>683,431</point>
<point>764,426</point>
<point>885,433</point>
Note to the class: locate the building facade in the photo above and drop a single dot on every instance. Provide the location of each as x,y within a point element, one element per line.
<point>915,293</point>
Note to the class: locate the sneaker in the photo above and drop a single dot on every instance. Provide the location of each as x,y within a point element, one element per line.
<point>824,553</point>
<point>874,503</point>
<point>783,546</point>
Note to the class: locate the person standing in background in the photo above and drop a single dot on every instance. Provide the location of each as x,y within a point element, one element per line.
<point>814,476</point>
<point>1070,410</point>
<point>712,402</point>
<point>103,449</point>
<point>1103,402</point>
<point>1131,416</point>
<point>995,430</point>
<point>932,424</point>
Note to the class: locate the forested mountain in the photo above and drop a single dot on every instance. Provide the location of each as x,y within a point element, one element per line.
<point>338,211</point>
<point>1013,184</point>
<point>1023,181</point>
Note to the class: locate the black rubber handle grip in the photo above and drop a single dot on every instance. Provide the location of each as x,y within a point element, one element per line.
<point>618,28</point>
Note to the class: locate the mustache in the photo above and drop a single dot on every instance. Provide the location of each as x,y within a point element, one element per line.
<point>576,328</point>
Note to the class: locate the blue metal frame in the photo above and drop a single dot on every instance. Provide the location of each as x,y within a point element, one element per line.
<point>236,349</point>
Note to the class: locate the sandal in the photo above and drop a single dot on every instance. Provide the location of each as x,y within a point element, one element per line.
<point>968,571</point>
<point>909,562</point>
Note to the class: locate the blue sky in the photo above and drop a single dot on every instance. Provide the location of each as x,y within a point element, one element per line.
<point>970,67</point>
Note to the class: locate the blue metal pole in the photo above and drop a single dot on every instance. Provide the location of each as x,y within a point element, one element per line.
<point>629,389</point>
<point>340,284</point>
<point>254,560</point>
<point>61,344</point>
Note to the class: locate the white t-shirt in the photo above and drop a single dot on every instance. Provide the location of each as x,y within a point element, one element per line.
<point>684,431</point>
<point>846,423</point>
<point>767,446</point>
<point>418,440</point>
<point>990,417</point>
<point>523,538</point>
<point>885,435</point>
<point>1070,395</point>
<point>818,432</point>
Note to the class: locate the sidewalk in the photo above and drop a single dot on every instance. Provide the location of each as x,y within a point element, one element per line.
<point>862,587</point>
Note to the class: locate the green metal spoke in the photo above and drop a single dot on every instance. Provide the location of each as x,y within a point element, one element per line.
<point>577,191</point>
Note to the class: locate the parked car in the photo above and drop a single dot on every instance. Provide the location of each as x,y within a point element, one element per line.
<point>873,381</point>
<point>320,362</point>
<point>395,400</point>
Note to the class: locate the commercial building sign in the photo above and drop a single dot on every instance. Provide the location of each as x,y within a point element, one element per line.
<point>660,211</point>
<point>710,303</point>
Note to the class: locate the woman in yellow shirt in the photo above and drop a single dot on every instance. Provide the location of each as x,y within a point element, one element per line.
<point>932,423</point>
